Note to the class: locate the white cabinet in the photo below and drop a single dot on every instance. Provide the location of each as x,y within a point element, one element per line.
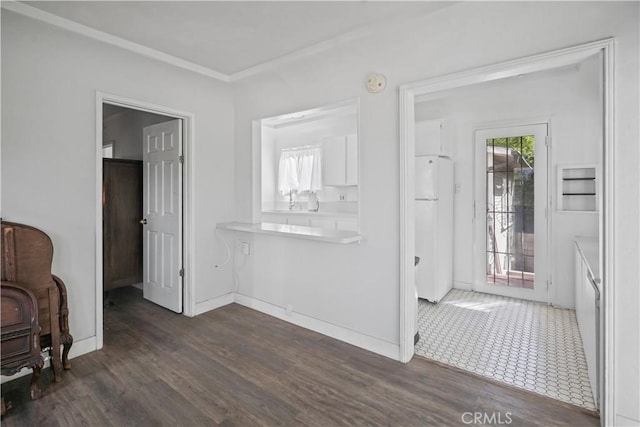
<point>352,160</point>
<point>429,140</point>
<point>298,220</point>
<point>587,294</point>
<point>340,160</point>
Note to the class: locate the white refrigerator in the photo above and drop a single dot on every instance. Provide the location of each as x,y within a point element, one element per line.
<point>434,226</point>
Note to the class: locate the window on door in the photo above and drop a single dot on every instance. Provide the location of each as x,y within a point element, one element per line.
<point>510,211</point>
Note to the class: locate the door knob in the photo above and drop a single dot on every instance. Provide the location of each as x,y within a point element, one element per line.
<point>143,221</point>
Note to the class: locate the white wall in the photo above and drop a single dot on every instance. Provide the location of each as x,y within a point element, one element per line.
<point>356,286</point>
<point>49,75</point>
<point>302,134</point>
<point>570,100</point>
<point>49,83</point>
<point>125,130</point>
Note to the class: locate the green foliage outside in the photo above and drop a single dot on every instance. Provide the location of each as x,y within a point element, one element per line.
<point>524,145</point>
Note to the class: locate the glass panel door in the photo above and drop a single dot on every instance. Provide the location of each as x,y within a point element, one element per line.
<point>511,230</point>
<point>510,211</point>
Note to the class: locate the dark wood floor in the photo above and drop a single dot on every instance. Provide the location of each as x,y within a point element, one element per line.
<point>235,366</point>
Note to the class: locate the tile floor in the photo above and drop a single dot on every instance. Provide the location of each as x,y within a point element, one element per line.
<point>522,343</point>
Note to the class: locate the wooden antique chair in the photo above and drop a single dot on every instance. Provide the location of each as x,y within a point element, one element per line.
<point>27,254</point>
<point>20,334</point>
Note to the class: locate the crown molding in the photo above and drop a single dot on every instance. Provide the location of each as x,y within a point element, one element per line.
<point>49,18</point>
<point>392,23</point>
<point>300,54</point>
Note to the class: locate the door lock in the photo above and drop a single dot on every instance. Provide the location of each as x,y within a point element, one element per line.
<point>143,221</point>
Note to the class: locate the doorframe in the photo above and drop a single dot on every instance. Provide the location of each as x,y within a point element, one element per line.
<point>188,238</point>
<point>544,61</point>
<point>492,126</point>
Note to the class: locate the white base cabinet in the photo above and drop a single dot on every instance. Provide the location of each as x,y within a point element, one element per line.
<point>587,294</point>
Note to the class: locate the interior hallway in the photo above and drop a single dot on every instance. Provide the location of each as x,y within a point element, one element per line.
<point>236,366</point>
<point>525,344</point>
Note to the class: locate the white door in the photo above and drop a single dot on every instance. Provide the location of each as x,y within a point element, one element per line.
<point>510,212</point>
<point>162,206</point>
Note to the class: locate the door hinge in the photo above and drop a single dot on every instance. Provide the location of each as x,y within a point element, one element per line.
<point>181,272</point>
<point>181,159</point>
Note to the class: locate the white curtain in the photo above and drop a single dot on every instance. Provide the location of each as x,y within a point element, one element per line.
<point>300,170</point>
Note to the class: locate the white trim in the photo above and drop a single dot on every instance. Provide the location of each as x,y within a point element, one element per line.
<point>462,285</point>
<point>322,46</point>
<point>98,226</point>
<point>526,65</point>
<point>407,224</point>
<point>314,49</point>
<point>69,25</point>
<point>340,333</point>
<point>608,232</point>
<point>621,420</point>
<point>256,150</point>
<point>256,163</point>
<point>49,18</point>
<point>188,262</point>
<point>82,347</point>
<point>213,303</point>
<point>78,348</point>
<point>349,336</point>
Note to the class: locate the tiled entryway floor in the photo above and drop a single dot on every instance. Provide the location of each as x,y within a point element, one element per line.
<point>522,343</point>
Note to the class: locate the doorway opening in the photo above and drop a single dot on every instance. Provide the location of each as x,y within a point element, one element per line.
<point>142,210</point>
<point>475,243</point>
<point>511,221</point>
<point>132,194</point>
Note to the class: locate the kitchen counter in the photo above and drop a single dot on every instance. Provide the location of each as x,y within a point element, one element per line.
<point>313,213</point>
<point>297,231</point>
<point>588,248</point>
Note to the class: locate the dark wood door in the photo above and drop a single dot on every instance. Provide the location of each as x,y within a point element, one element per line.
<point>121,215</point>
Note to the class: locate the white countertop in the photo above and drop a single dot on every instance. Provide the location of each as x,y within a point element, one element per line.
<point>298,231</point>
<point>588,247</point>
<point>313,213</point>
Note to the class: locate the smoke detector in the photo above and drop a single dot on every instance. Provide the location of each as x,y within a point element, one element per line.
<point>376,82</point>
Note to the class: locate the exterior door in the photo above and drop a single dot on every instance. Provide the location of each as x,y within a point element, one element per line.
<point>510,212</point>
<point>162,207</point>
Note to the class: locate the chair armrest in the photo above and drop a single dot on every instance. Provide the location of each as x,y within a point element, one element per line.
<point>62,290</point>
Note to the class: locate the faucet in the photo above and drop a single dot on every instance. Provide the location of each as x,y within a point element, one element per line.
<point>292,204</point>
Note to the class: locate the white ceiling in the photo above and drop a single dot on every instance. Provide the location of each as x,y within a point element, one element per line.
<point>230,37</point>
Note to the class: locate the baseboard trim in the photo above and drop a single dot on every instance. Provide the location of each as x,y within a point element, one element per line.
<point>621,420</point>
<point>83,346</point>
<point>213,303</point>
<point>462,285</point>
<point>349,336</point>
<point>78,348</point>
